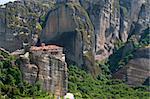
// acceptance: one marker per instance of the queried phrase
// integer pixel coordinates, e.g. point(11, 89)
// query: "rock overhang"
point(69, 25)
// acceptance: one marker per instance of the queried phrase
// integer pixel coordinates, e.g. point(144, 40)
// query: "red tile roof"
point(48, 47)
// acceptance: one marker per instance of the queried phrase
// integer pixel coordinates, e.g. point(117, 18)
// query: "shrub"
point(86, 87)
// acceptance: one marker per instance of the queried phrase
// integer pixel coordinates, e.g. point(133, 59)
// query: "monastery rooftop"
point(43, 47)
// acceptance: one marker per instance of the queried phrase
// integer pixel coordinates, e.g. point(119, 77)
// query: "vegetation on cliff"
point(85, 29)
point(11, 83)
point(83, 86)
point(26, 18)
point(118, 60)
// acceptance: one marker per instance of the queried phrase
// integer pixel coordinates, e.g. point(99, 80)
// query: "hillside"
point(81, 84)
point(105, 46)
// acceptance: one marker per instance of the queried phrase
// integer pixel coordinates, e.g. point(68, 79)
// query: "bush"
point(11, 83)
point(86, 87)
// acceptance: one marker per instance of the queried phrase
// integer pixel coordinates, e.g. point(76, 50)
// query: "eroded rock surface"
point(137, 70)
point(115, 21)
point(87, 29)
point(68, 25)
point(49, 68)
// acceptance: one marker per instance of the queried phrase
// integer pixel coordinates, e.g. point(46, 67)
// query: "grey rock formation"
point(7, 39)
point(50, 70)
point(137, 69)
point(19, 20)
point(116, 21)
point(29, 71)
point(68, 25)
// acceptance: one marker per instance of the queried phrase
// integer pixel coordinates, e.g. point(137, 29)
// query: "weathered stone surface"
point(50, 70)
point(58, 22)
point(137, 70)
point(18, 21)
point(68, 25)
point(116, 21)
point(29, 71)
point(7, 39)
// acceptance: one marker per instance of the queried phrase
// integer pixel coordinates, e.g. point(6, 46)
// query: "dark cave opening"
point(67, 40)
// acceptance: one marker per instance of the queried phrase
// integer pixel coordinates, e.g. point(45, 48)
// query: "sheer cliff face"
point(68, 25)
point(19, 19)
point(50, 71)
point(115, 21)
